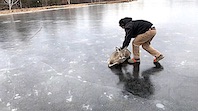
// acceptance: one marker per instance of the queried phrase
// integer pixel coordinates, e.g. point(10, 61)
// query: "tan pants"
point(144, 40)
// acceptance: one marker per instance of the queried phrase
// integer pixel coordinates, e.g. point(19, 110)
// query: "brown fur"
point(118, 56)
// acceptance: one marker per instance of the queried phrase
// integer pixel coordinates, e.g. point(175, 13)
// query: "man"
point(143, 32)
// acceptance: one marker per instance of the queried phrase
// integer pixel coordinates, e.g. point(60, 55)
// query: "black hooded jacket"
point(133, 28)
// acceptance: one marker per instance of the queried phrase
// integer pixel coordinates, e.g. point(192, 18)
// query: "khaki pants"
point(144, 40)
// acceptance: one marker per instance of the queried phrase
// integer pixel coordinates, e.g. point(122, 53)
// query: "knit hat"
point(124, 21)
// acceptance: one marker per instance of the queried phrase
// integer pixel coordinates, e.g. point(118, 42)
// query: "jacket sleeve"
point(128, 36)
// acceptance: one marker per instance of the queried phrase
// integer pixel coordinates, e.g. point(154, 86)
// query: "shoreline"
point(48, 8)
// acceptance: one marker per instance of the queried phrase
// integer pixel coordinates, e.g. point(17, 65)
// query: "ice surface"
point(57, 60)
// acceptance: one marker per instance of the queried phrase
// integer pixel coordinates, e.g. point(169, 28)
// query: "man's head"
point(124, 21)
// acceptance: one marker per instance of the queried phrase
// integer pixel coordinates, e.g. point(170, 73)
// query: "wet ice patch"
point(14, 109)
point(70, 71)
point(79, 57)
point(178, 33)
point(80, 79)
point(62, 59)
point(109, 96)
point(16, 74)
point(60, 74)
point(126, 96)
point(8, 104)
point(49, 93)
point(183, 62)
point(69, 99)
point(161, 106)
point(167, 41)
point(187, 51)
point(86, 107)
point(73, 62)
point(36, 92)
point(50, 70)
point(17, 96)
point(51, 77)
point(29, 94)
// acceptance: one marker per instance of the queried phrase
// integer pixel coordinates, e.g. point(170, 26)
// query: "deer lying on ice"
point(119, 56)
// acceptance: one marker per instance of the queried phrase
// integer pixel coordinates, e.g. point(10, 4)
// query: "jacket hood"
point(124, 21)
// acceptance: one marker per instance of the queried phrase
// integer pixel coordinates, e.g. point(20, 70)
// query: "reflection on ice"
point(135, 83)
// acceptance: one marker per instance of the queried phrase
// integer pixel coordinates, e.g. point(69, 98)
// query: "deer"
point(119, 56)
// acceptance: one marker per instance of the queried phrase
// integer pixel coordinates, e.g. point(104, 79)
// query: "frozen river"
point(57, 60)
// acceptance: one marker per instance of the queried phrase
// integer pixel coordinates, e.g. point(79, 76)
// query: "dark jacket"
point(133, 28)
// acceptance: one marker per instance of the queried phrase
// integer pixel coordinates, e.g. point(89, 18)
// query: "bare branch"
point(6, 1)
point(15, 2)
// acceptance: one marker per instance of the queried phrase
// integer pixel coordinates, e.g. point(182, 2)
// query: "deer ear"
point(117, 49)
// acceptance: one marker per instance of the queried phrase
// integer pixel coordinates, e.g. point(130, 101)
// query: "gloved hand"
point(122, 47)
